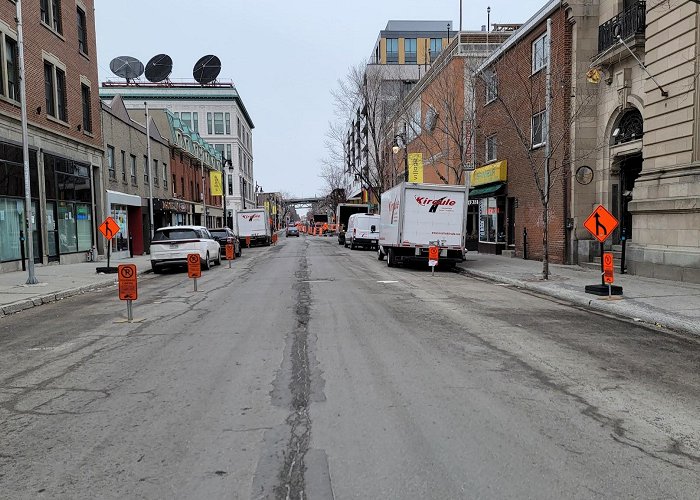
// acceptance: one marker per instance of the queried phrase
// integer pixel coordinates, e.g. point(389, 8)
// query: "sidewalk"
point(669, 304)
point(58, 282)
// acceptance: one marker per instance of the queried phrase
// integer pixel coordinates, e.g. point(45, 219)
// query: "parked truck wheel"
point(390, 258)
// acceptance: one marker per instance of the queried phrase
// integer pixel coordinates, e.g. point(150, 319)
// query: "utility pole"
point(460, 15)
point(31, 278)
point(150, 177)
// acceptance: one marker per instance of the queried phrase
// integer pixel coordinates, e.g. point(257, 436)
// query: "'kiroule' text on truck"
point(414, 216)
point(254, 224)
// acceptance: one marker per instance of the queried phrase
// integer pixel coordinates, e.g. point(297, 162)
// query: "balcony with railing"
point(629, 23)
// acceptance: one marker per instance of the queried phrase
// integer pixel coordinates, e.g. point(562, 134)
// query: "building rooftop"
point(395, 25)
point(173, 90)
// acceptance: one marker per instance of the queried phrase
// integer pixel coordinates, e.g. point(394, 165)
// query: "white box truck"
point(414, 216)
point(253, 223)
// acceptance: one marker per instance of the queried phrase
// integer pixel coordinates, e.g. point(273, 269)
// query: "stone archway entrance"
point(626, 151)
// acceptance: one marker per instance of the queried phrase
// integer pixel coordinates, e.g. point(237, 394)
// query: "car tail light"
point(354, 231)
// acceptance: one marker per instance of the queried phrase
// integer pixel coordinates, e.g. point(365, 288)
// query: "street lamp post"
point(225, 161)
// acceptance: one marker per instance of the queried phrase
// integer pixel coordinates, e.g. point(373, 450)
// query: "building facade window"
point(145, 170)
point(228, 151)
point(55, 89)
point(230, 184)
point(82, 32)
point(238, 125)
point(219, 124)
point(540, 53)
point(392, 50)
point(227, 120)
point(155, 172)
point(123, 166)
point(410, 50)
point(209, 124)
point(87, 107)
point(191, 119)
point(491, 86)
point(9, 71)
point(539, 129)
point(435, 48)
point(491, 153)
point(110, 162)
point(51, 14)
point(133, 169)
point(165, 176)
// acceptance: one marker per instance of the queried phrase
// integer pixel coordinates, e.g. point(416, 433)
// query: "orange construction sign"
point(229, 251)
point(601, 223)
point(128, 289)
point(194, 267)
point(608, 274)
point(433, 253)
point(109, 228)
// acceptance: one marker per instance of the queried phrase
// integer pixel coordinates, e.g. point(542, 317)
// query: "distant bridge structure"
point(303, 201)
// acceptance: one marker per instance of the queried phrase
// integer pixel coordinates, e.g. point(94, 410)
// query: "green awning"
point(482, 191)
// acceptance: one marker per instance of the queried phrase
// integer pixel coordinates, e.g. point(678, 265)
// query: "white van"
point(363, 231)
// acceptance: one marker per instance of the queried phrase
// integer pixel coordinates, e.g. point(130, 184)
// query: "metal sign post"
point(194, 268)
point(601, 223)
point(433, 257)
point(128, 288)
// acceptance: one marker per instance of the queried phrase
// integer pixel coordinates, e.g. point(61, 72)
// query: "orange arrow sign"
point(109, 228)
point(601, 223)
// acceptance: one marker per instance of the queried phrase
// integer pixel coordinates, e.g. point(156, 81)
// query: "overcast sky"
point(284, 56)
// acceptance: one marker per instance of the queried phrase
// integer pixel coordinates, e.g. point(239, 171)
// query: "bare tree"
point(366, 99)
point(439, 117)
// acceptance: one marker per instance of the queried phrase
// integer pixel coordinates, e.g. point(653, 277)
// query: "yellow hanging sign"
point(216, 183)
point(415, 167)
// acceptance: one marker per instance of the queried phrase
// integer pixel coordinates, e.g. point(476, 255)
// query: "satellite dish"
point(127, 67)
point(159, 68)
point(207, 69)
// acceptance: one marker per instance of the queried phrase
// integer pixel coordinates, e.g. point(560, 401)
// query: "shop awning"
point(483, 191)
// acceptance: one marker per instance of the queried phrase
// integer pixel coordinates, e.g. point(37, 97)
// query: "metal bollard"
point(524, 243)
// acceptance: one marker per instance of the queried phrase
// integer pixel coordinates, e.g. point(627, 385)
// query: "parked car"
point(222, 234)
point(363, 231)
point(292, 231)
point(170, 246)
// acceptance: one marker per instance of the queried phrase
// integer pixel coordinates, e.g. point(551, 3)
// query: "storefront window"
point(11, 217)
point(491, 220)
point(67, 236)
point(84, 226)
point(120, 242)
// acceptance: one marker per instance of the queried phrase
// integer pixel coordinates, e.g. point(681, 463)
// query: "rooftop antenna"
point(127, 67)
point(159, 68)
point(206, 69)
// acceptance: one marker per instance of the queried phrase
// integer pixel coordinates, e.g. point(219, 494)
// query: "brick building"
point(65, 137)
point(193, 162)
point(128, 176)
point(511, 139)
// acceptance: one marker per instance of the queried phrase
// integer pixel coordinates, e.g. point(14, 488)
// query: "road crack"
point(299, 421)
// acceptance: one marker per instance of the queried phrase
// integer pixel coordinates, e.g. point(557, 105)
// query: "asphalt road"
point(312, 371)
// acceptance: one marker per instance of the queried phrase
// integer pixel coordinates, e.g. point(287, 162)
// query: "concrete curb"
point(23, 305)
point(620, 309)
